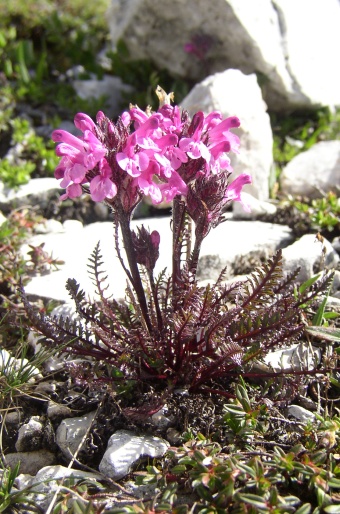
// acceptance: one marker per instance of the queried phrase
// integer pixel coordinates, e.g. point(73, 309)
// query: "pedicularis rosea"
point(169, 330)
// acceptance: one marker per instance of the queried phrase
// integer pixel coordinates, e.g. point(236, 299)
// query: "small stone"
point(125, 449)
point(70, 433)
point(300, 413)
point(57, 410)
point(173, 436)
point(30, 435)
point(30, 462)
point(12, 418)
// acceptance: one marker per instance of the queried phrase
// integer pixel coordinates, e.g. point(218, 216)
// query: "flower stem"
point(178, 218)
point(124, 222)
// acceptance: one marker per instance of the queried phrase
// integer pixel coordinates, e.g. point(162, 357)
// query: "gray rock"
point(300, 413)
point(125, 449)
point(335, 291)
point(70, 433)
point(236, 94)
point(30, 462)
point(313, 172)
point(57, 410)
point(109, 87)
point(12, 418)
point(30, 435)
point(306, 253)
point(260, 38)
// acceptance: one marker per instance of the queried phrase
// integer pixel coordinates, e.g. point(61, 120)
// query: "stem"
point(156, 302)
point(124, 221)
point(178, 217)
point(193, 263)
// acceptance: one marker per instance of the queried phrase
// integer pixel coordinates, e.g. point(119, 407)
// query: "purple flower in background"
point(199, 45)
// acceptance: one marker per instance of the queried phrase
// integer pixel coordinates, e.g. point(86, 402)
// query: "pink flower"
point(101, 186)
point(234, 190)
point(173, 187)
point(131, 160)
point(72, 191)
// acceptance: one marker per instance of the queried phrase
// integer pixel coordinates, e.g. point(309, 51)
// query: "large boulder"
point(236, 94)
point(291, 46)
point(314, 172)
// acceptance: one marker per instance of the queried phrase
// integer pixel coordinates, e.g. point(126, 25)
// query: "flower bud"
point(146, 246)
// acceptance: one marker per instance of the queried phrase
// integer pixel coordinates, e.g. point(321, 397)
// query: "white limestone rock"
point(125, 449)
point(314, 172)
point(299, 22)
point(306, 253)
point(46, 482)
point(257, 208)
point(36, 187)
point(222, 246)
point(236, 94)
point(300, 413)
point(274, 39)
point(70, 433)
point(297, 357)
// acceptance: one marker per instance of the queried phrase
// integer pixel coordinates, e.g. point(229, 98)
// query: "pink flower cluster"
point(163, 153)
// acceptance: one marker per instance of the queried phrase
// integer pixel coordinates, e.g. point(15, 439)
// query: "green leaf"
point(179, 469)
point(332, 509)
point(334, 482)
point(253, 499)
point(304, 509)
point(328, 333)
point(317, 319)
point(308, 283)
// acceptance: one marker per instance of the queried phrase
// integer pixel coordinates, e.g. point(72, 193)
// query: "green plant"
point(13, 233)
point(323, 213)
point(242, 418)
point(12, 499)
point(15, 175)
point(294, 134)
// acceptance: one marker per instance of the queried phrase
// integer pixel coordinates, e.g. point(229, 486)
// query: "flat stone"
point(222, 246)
point(297, 357)
point(46, 482)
